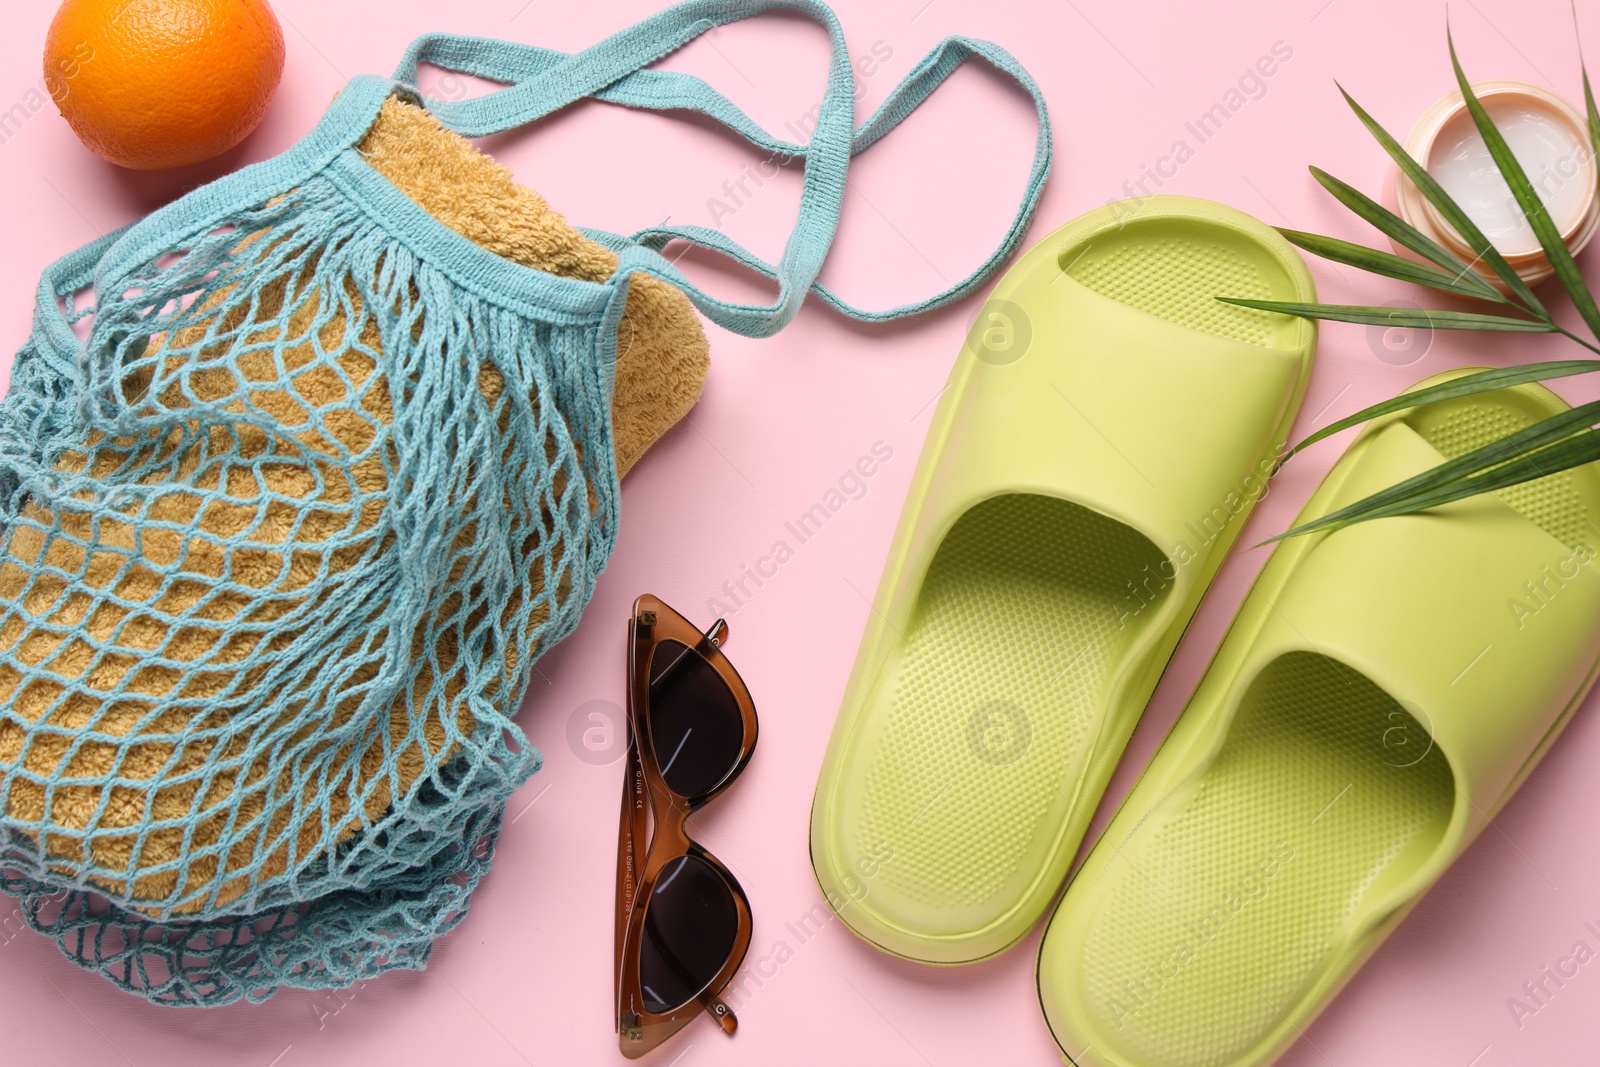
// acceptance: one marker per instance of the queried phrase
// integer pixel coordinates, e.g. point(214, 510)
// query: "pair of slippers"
point(1382, 692)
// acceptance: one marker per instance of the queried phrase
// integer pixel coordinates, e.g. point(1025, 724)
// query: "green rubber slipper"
point(1104, 433)
point(1381, 693)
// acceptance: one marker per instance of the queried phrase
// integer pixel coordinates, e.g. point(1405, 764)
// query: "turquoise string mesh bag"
point(294, 496)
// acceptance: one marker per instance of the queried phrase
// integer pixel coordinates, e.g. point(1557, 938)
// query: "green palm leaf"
point(1483, 381)
point(1461, 469)
point(1533, 208)
point(1558, 443)
point(1594, 117)
point(1452, 212)
point(1573, 451)
point(1398, 229)
point(1371, 315)
point(1464, 283)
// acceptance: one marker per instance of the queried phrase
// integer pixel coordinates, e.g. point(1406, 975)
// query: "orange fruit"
point(150, 84)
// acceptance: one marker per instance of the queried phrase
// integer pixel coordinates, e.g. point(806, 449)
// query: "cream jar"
point(1551, 141)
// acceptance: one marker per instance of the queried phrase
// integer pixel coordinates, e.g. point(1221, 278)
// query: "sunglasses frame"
point(646, 793)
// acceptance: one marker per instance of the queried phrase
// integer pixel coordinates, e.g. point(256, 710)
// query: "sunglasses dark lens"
point(689, 932)
point(695, 724)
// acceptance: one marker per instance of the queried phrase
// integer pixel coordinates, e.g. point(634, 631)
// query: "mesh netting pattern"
point(276, 548)
point(333, 941)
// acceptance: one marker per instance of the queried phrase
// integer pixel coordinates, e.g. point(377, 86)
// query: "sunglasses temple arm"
point(720, 1012)
point(714, 638)
point(718, 634)
point(629, 834)
point(708, 998)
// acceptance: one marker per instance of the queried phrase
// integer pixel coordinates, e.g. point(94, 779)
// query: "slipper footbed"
point(1325, 792)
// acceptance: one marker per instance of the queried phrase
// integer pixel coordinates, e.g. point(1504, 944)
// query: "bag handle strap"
point(73, 271)
point(544, 81)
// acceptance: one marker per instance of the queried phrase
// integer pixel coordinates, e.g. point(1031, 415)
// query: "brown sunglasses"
point(683, 922)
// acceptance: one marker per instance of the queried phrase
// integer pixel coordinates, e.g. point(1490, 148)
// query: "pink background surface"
point(526, 977)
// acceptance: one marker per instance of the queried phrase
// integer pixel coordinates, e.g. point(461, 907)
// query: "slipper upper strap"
point(1482, 625)
point(1166, 429)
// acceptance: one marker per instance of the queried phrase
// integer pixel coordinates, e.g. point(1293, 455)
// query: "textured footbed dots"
point(1457, 426)
point(1229, 900)
point(1178, 272)
point(1229, 907)
point(1029, 603)
point(997, 687)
